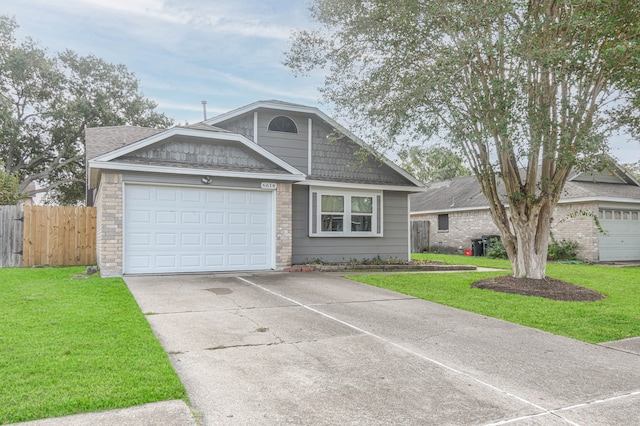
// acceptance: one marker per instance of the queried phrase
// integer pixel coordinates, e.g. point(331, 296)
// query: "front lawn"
point(615, 317)
point(75, 345)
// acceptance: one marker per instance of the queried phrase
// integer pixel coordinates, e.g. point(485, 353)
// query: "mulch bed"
point(549, 288)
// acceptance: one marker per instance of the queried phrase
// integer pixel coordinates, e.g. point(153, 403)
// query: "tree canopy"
point(432, 164)
point(9, 194)
point(526, 90)
point(46, 101)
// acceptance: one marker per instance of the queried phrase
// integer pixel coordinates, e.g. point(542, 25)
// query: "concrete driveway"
point(312, 348)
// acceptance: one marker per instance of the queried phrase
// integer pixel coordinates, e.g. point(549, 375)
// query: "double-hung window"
point(342, 213)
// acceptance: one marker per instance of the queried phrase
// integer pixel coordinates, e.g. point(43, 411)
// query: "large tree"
point(432, 164)
point(47, 100)
point(526, 90)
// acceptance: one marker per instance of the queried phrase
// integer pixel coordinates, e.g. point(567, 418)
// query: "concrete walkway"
point(314, 348)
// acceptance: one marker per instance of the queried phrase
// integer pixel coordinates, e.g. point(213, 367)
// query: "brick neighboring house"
point(458, 212)
point(261, 187)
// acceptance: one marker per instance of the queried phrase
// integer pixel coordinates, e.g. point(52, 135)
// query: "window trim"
point(295, 126)
point(315, 217)
point(446, 217)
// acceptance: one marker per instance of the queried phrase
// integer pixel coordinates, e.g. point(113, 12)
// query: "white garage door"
point(622, 239)
point(183, 229)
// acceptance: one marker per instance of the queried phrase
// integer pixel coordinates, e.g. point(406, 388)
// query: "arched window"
point(283, 124)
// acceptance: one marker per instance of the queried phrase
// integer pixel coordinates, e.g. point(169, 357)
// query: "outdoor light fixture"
point(206, 180)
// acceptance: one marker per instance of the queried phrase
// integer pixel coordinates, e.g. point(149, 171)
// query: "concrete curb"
point(174, 413)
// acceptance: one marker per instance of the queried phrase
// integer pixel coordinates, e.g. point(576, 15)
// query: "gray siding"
point(344, 160)
point(599, 177)
point(291, 147)
point(394, 244)
point(196, 152)
point(242, 125)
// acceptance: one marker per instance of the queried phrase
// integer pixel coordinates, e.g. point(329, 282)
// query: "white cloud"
point(262, 87)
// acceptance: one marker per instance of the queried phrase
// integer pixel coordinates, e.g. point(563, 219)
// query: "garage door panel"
point(214, 218)
point(166, 240)
point(214, 240)
point(237, 218)
point(166, 194)
point(139, 216)
point(238, 198)
point(174, 229)
point(621, 241)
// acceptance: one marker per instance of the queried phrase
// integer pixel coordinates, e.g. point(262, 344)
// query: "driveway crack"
point(252, 345)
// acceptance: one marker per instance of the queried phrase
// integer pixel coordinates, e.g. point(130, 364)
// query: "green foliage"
point(562, 250)
point(558, 250)
point(497, 250)
point(73, 346)
point(613, 318)
point(526, 91)
point(9, 192)
point(432, 164)
point(45, 103)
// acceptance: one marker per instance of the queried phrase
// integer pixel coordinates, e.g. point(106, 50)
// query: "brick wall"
point(578, 228)
point(109, 225)
point(284, 225)
point(463, 226)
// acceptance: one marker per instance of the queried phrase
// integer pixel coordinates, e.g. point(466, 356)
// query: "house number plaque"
point(269, 185)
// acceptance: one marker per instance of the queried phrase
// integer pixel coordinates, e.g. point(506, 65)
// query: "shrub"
point(558, 250)
point(562, 250)
point(497, 250)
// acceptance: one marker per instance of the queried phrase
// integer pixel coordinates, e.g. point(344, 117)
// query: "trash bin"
point(487, 243)
point(476, 246)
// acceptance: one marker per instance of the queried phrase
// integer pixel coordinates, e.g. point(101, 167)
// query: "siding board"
point(336, 249)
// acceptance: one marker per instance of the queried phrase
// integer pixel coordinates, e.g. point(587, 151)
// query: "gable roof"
point(464, 193)
point(101, 140)
point(123, 157)
point(291, 107)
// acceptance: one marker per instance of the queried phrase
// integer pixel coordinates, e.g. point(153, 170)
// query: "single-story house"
point(262, 187)
point(458, 212)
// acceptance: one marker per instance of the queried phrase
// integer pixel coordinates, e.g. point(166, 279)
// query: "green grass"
point(71, 346)
point(615, 317)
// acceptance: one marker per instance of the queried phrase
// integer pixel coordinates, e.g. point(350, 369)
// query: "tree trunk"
point(530, 259)
point(531, 243)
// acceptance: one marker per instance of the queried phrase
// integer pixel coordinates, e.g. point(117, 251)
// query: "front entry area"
point(174, 229)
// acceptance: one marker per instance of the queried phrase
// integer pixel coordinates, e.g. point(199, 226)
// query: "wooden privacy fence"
point(419, 236)
point(10, 236)
point(59, 236)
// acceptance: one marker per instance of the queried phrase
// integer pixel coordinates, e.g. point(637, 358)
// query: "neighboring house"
point(262, 187)
point(457, 212)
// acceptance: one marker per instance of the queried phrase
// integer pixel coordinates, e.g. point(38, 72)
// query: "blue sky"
point(227, 52)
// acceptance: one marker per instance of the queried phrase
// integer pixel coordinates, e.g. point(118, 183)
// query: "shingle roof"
point(207, 127)
point(464, 193)
point(101, 140)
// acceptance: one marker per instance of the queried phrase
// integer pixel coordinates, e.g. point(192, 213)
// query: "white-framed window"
point(344, 213)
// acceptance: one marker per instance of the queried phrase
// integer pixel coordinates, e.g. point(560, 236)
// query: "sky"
point(227, 52)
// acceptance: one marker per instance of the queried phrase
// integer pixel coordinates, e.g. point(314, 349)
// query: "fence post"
point(11, 226)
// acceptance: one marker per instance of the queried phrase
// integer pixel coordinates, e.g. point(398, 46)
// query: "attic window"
point(283, 124)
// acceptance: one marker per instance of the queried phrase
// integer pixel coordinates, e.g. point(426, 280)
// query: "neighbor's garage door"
point(184, 229)
point(622, 239)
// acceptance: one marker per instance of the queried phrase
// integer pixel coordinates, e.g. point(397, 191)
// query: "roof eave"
point(112, 165)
